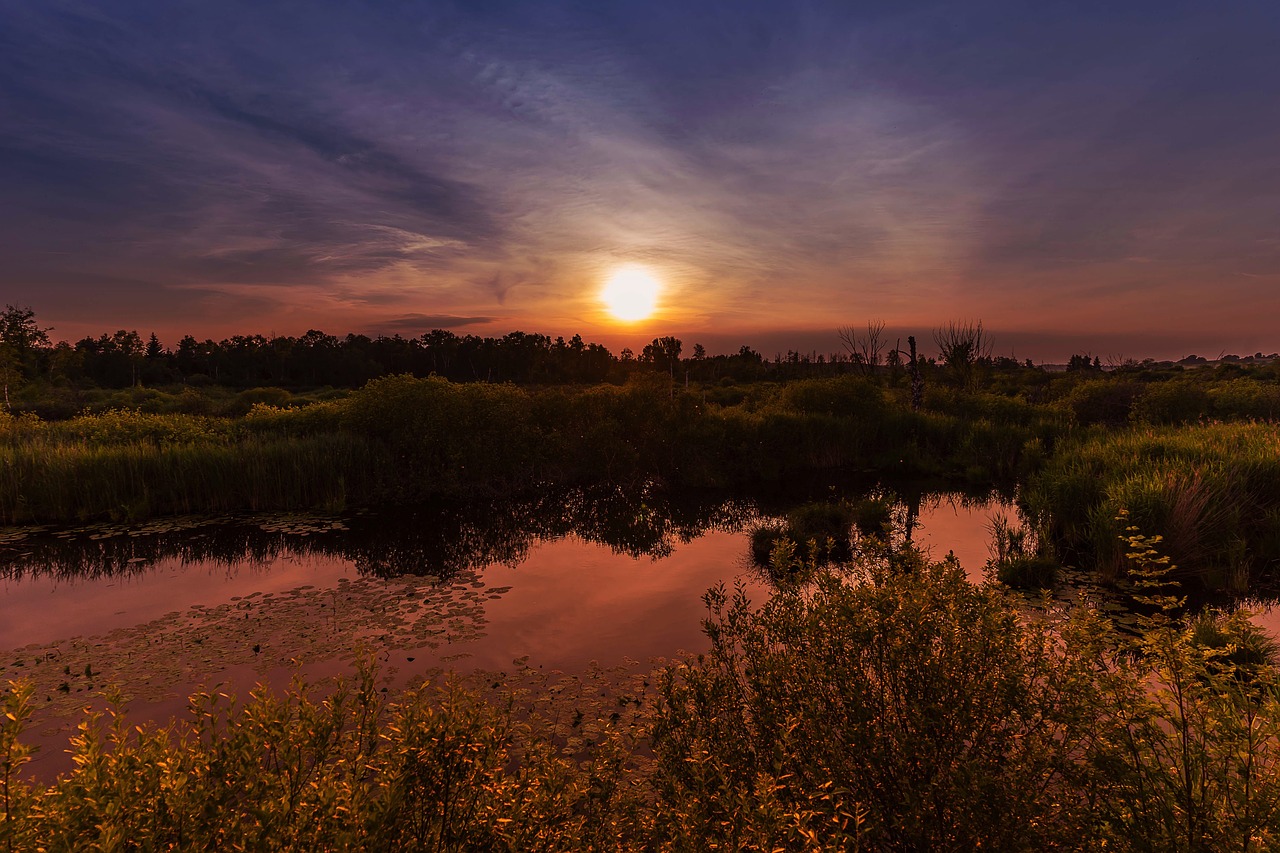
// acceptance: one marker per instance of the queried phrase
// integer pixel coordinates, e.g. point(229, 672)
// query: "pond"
point(567, 582)
point(611, 576)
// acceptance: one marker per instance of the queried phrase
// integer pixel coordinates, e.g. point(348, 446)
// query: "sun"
point(631, 293)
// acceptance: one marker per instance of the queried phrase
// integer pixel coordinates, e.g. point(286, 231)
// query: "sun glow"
point(631, 293)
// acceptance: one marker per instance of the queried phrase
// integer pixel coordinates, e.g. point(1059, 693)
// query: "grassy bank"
point(1211, 491)
point(124, 465)
point(402, 438)
point(893, 706)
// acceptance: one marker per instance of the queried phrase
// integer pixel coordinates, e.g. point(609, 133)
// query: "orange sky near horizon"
point(1079, 179)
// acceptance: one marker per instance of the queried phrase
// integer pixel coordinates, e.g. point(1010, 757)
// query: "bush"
point(1179, 401)
point(438, 769)
point(865, 712)
point(893, 706)
point(1108, 402)
point(847, 396)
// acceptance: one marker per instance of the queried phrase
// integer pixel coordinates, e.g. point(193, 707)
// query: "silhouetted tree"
point(864, 348)
point(961, 346)
point(20, 340)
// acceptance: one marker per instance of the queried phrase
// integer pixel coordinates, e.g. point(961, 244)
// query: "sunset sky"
point(1079, 176)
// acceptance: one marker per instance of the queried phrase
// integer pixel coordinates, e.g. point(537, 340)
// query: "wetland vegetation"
point(1188, 448)
point(877, 700)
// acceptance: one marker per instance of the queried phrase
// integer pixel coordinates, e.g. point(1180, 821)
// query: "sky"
point(1079, 176)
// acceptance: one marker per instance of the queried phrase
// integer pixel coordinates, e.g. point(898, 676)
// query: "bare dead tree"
point(1118, 361)
point(864, 348)
point(961, 346)
point(917, 380)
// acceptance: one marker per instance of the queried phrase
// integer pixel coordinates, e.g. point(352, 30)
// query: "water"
point(580, 588)
point(180, 605)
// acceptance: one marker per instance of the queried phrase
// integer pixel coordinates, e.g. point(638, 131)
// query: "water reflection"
point(564, 578)
point(442, 540)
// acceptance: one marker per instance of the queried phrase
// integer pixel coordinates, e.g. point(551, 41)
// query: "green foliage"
point(1245, 399)
point(341, 769)
point(821, 529)
point(129, 465)
point(903, 709)
point(1028, 572)
point(1190, 760)
point(1018, 559)
point(821, 520)
point(405, 438)
point(847, 396)
point(1108, 402)
point(1179, 401)
point(765, 540)
point(1209, 490)
point(873, 516)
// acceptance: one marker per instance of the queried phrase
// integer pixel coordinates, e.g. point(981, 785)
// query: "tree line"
point(125, 359)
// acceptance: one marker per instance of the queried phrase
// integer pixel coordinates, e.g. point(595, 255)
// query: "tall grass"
point(1212, 491)
point(127, 465)
point(401, 438)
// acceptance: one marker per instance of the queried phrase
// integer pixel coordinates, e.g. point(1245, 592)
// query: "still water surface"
point(175, 606)
point(570, 600)
point(563, 597)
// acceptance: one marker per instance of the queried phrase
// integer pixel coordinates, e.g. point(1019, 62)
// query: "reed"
point(1211, 491)
point(46, 478)
point(401, 438)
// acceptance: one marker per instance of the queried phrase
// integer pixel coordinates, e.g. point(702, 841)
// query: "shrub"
point(864, 711)
point(846, 396)
point(892, 706)
point(342, 769)
point(1178, 401)
point(1103, 401)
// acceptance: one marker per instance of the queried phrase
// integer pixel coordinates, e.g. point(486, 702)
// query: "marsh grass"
point(401, 438)
point(1018, 556)
point(128, 481)
point(873, 516)
point(1212, 491)
point(1244, 646)
point(822, 529)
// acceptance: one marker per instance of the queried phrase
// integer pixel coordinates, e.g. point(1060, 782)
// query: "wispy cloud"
point(419, 323)
point(777, 163)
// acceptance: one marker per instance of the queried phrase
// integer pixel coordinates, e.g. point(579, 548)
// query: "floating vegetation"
point(300, 524)
point(166, 657)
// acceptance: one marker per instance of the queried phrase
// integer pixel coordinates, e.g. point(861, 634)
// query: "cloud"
point(776, 163)
point(427, 322)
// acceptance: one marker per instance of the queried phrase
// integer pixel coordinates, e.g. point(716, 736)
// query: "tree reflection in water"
point(440, 539)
